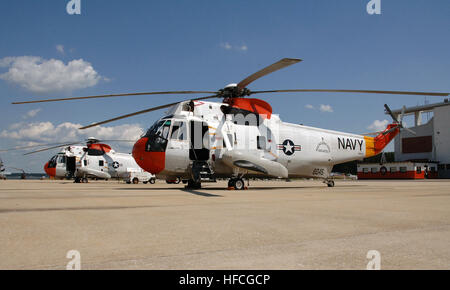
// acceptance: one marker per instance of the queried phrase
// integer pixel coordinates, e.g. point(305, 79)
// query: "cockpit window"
point(52, 162)
point(154, 128)
point(158, 135)
point(164, 130)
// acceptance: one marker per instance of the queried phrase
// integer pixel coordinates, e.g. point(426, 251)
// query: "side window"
point(101, 163)
point(85, 162)
point(183, 131)
point(175, 130)
point(62, 159)
point(179, 131)
point(261, 140)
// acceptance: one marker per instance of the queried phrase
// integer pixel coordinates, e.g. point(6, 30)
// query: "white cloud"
point(326, 108)
point(243, 48)
point(60, 48)
point(378, 125)
point(31, 113)
point(309, 107)
point(39, 75)
point(47, 132)
point(228, 46)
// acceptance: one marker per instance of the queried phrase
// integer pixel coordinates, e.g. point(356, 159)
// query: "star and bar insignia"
point(289, 147)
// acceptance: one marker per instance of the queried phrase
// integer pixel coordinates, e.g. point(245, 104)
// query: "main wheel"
point(152, 181)
point(239, 184)
point(84, 180)
point(135, 180)
point(330, 183)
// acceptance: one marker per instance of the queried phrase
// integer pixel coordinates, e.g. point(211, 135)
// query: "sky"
point(138, 46)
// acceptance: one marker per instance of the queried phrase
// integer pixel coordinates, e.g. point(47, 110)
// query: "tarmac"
point(273, 225)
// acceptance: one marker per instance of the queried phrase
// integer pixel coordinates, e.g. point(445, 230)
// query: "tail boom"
point(374, 145)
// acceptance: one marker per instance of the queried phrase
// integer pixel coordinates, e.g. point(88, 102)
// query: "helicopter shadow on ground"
point(191, 191)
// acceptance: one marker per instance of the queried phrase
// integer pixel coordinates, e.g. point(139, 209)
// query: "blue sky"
point(134, 46)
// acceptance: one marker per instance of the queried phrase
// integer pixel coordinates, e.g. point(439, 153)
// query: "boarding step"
point(203, 172)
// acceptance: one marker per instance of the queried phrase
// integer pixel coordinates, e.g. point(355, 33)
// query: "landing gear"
point(236, 183)
point(135, 180)
point(191, 184)
point(329, 182)
point(152, 181)
point(80, 180)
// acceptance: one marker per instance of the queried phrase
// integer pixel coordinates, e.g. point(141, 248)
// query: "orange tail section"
point(374, 145)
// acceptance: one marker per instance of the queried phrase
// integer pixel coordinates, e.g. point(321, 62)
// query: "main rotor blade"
point(53, 147)
point(353, 91)
point(27, 147)
point(144, 111)
point(267, 70)
point(115, 95)
point(117, 140)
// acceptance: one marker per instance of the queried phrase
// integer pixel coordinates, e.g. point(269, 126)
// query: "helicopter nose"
point(50, 171)
point(153, 162)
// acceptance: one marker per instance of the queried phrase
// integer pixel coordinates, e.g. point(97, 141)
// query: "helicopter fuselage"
point(235, 142)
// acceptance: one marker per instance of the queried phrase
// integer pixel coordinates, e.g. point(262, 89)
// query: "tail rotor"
point(398, 123)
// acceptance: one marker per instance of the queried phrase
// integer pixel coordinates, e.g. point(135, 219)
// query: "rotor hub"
point(233, 91)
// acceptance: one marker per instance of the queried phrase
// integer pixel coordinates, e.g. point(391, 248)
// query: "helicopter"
point(200, 141)
point(2, 169)
point(95, 160)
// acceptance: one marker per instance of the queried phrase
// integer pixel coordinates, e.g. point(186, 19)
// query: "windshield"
point(52, 162)
point(157, 136)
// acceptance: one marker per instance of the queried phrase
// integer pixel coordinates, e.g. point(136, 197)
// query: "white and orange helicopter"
point(2, 169)
point(199, 141)
point(92, 160)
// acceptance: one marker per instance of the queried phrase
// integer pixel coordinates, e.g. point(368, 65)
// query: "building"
point(427, 149)
point(397, 170)
point(432, 139)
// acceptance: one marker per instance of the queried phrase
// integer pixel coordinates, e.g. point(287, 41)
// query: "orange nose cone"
point(50, 171)
point(153, 162)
